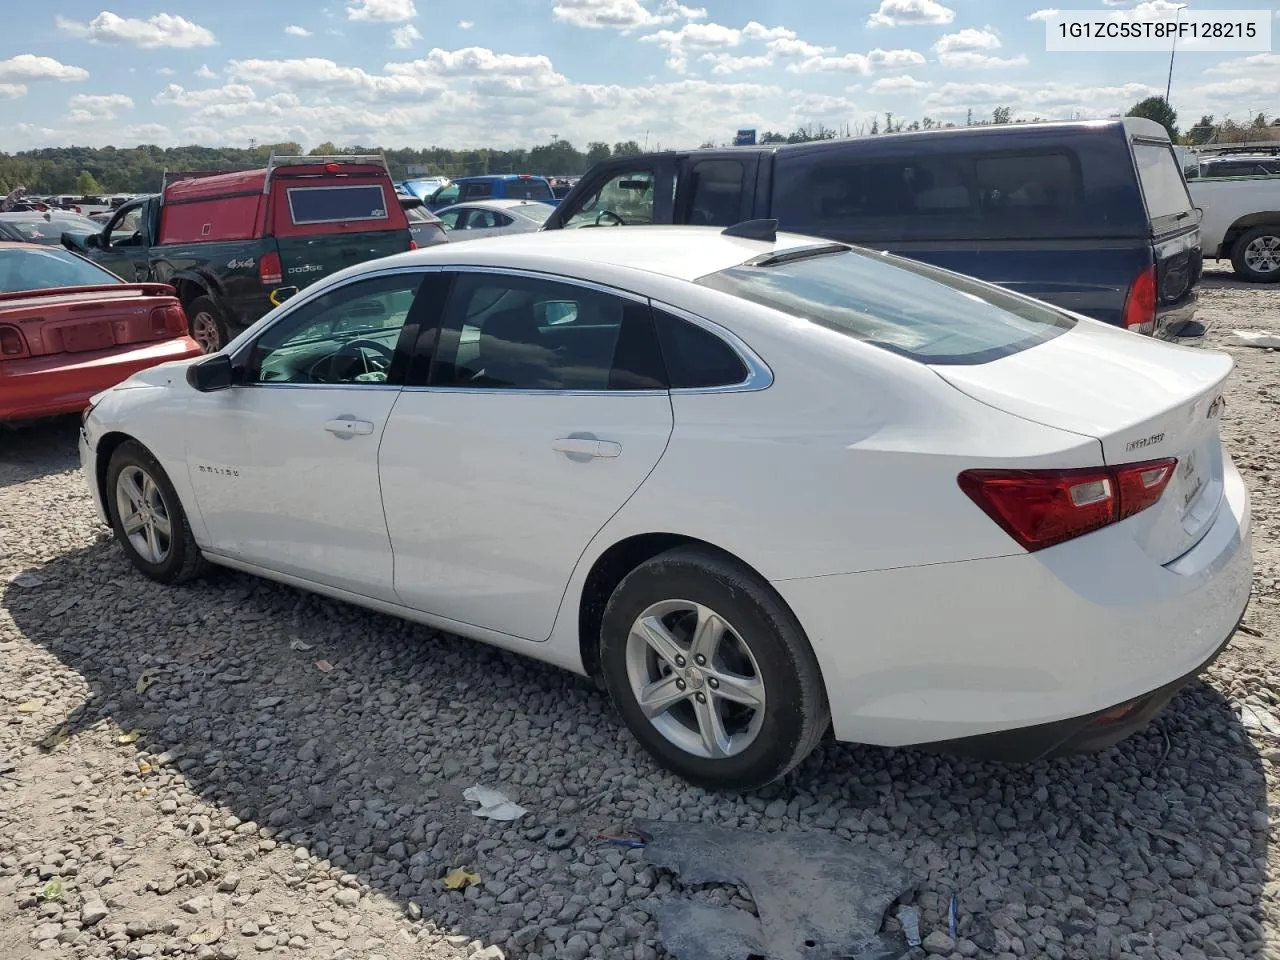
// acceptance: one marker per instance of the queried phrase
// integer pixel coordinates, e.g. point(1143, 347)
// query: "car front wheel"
point(710, 670)
point(148, 518)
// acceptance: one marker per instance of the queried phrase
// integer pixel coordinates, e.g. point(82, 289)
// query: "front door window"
point(624, 199)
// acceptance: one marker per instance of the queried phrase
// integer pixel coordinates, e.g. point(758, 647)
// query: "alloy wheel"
point(204, 331)
point(143, 515)
point(695, 679)
point(1262, 255)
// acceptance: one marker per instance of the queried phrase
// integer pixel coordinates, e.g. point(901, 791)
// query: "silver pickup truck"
point(1240, 222)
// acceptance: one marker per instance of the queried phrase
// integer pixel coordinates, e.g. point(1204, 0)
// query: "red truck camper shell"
point(290, 199)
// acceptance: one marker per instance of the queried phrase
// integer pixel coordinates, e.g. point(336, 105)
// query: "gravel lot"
point(179, 777)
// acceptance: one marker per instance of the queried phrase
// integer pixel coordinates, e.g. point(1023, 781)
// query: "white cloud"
point(787, 48)
point(1048, 13)
point(156, 133)
point(758, 31)
point(387, 11)
point(693, 36)
point(622, 15)
point(166, 71)
point(1055, 100)
point(968, 39)
point(26, 66)
point(466, 24)
point(723, 63)
point(12, 91)
point(969, 60)
point(162, 30)
point(861, 63)
point(402, 38)
point(1232, 90)
point(174, 95)
point(91, 108)
point(293, 30)
point(903, 84)
point(899, 13)
point(1258, 62)
point(204, 73)
point(317, 74)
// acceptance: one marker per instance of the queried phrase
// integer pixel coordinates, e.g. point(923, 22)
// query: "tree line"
point(97, 170)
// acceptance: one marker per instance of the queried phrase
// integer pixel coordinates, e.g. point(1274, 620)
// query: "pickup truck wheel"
point(206, 324)
point(1256, 255)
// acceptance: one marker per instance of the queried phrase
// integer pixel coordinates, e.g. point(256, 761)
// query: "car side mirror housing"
point(77, 242)
point(211, 374)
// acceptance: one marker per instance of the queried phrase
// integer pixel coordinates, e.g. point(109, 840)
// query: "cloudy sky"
point(508, 73)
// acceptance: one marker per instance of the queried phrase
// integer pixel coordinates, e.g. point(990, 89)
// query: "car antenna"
point(766, 230)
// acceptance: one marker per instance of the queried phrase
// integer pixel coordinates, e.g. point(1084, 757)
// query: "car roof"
point(499, 203)
point(684, 253)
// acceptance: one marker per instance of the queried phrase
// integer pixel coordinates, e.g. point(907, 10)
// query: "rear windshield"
point(337, 204)
point(528, 190)
point(37, 229)
point(900, 305)
point(537, 212)
point(44, 268)
point(1162, 182)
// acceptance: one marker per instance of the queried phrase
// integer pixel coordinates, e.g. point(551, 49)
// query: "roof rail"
point(766, 230)
point(275, 161)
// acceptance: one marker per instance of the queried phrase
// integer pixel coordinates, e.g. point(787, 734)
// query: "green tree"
point(627, 148)
point(1001, 115)
point(597, 152)
point(1159, 110)
point(1202, 131)
point(772, 136)
point(86, 184)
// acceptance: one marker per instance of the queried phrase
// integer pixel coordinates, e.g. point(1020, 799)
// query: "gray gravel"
point(178, 777)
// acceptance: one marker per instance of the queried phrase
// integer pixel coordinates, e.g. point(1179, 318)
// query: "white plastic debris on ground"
point(1259, 338)
point(493, 803)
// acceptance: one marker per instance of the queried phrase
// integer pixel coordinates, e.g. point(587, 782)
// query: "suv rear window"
point(528, 190)
point(906, 307)
point(1162, 183)
point(337, 204)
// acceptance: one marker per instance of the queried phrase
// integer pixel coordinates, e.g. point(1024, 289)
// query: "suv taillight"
point(269, 269)
point(1140, 303)
point(1040, 508)
point(12, 345)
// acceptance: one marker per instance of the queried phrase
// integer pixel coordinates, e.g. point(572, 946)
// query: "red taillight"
point(11, 343)
point(168, 320)
point(1040, 508)
point(269, 269)
point(332, 167)
point(1140, 304)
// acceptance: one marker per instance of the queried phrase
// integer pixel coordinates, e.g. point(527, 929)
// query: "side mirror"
point(211, 374)
point(77, 242)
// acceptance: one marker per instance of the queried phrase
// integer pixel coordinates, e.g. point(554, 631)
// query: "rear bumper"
point(63, 383)
point(954, 651)
point(1172, 319)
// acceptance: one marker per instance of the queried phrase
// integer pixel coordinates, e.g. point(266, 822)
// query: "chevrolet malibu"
point(762, 486)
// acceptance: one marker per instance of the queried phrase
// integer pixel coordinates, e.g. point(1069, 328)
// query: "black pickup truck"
point(235, 244)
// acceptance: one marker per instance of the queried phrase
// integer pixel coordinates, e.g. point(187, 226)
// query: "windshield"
point(36, 229)
point(41, 268)
point(528, 190)
point(1161, 178)
point(900, 305)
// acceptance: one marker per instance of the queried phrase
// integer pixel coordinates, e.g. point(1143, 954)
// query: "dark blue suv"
point(1093, 216)
point(509, 186)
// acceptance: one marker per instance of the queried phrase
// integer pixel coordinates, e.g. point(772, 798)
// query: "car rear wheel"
point(148, 518)
point(710, 670)
point(207, 327)
point(1256, 255)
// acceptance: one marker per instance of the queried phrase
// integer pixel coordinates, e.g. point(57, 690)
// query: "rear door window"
point(337, 204)
point(1030, 186)
point(1163, 186)
point(530, 189)
point(713, 193)
point(476, 191)
point(624, 199)
point(696, 358)
point(903, 306)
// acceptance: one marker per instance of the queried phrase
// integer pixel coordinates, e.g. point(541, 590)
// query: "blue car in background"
point(422, 187)
point(510, 186)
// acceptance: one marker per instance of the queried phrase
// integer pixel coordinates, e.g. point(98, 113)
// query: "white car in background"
point(493, 218)
point(763, 485)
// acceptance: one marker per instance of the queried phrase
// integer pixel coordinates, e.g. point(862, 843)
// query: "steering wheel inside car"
point(359, 363)
point(617, 220)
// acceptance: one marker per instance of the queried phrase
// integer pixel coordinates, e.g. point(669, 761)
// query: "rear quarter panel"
point(228, 270)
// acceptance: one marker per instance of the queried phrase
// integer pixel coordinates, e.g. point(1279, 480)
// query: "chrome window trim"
point(759, 375)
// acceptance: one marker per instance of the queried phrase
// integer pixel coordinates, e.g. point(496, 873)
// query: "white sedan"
point(763, 486)
point(477, 219)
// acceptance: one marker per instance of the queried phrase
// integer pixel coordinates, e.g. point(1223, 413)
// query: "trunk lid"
point(88, 319)
point(1141, 399)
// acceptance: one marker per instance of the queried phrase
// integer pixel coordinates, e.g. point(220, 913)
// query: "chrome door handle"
point(586, 448)
point(349, 427)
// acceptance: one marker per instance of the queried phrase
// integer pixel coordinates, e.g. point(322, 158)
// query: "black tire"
point(796, 714)
point(206, 324)
point(1238, 250)
point(183, 560)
